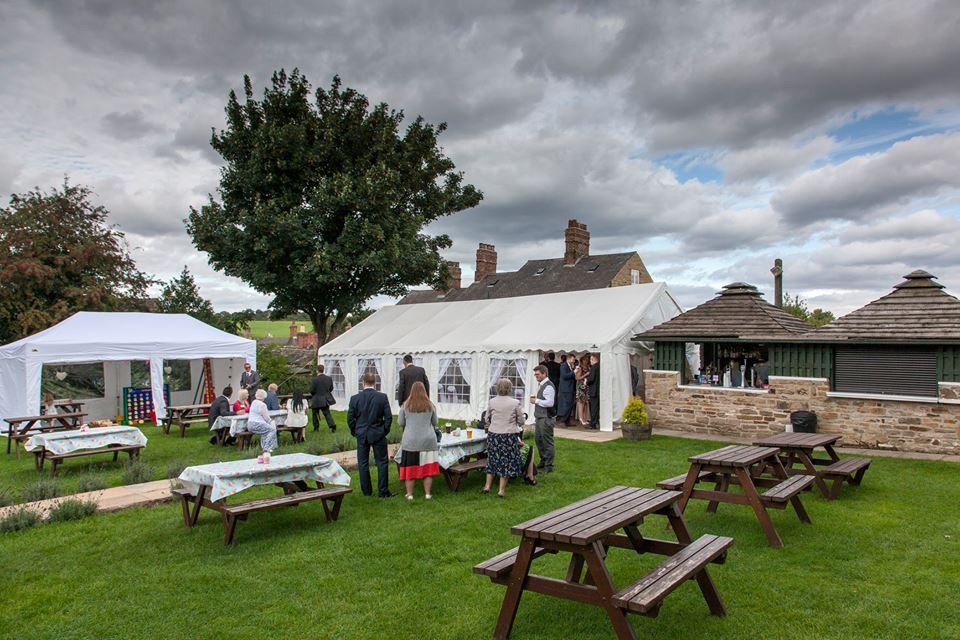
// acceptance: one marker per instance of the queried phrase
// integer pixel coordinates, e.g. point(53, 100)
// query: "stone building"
point(886, 375)
point(577, 270)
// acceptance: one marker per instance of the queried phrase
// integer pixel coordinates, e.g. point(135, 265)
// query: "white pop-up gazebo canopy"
point(465, 346)
point(114, 338)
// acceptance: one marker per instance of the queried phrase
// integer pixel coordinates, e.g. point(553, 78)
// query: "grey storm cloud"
point(130, 125)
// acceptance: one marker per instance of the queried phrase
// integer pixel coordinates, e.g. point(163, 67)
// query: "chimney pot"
point(486, 261)
point(293, 328)
point(577, 242)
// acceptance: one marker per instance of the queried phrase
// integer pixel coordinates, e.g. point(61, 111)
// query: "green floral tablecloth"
point(229, 478)
point(238, 424)
point(452, 447)
point(95, 438)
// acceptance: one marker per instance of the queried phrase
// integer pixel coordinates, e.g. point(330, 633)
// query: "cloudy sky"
point(711, 137)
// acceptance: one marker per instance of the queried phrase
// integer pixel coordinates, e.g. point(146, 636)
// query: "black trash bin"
point(804, 421)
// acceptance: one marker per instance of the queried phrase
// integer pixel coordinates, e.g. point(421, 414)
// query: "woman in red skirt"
point(419, 455)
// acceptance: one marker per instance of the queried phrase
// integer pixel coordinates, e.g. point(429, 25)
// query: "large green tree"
point(58, 255)
point(324, 200)
point(797, 306)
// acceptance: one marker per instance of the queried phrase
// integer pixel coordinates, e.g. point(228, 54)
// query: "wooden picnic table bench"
point(745, 466)
point(586, 530)
point(19, 429)
point(798, 449)
point(184, 415)
point(42, 455)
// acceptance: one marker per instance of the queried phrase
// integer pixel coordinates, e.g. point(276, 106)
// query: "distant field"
point(277, 328)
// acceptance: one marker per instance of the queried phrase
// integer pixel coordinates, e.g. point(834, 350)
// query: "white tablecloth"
point(228, 478)
point(452, 447)
point(66, 441)
point(238, 424)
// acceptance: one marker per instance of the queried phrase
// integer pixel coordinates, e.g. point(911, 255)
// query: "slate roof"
point(738, 312)
point(917, 310)
point(534, 278)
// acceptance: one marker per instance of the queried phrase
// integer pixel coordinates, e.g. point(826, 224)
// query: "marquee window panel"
point(514, 370)
point(368, 365)
point(398, 364)
point(336, 369)
point(453, 386)
point(75, 381)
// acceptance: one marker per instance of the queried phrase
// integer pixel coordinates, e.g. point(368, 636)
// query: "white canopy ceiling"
point(110, 336)
point(598, 319)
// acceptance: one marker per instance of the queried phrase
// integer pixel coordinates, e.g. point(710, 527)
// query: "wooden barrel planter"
point(636, 431)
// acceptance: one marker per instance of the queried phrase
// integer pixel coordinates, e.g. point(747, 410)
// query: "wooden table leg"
point(746, 482)
point(812, 470)
point(575, 568)
point(511, 600)
point(688, 485)
point(198, 502)
point(606, 590)
point(723, 484)
point(707, 588)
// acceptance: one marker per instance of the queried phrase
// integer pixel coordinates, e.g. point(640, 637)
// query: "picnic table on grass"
point(798, 449)
point(67, 405)
point(184, 415)
point(586, 530)
point(744, 466)
point(23, 427)
point(210, 485)
point(236, 426)
point(58, 446)
point(459, 455)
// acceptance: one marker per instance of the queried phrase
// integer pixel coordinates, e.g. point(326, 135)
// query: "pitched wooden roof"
point(536, 277)
point(918, 309)
point(739, 311)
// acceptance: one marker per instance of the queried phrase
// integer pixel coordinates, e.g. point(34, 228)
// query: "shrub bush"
point(635, 412)
point(175, 468)
point(72, 509)
point(41, 489)
point(136, 472)
point(7, 497)
point(90, 482)
point(342, 444)
point(18, 520)
point(315, 448)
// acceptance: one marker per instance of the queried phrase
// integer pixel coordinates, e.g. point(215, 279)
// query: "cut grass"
point(276, 328)
point(880, 562)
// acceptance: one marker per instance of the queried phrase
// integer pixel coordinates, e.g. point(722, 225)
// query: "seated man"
point(272, 401)
point(220, 407)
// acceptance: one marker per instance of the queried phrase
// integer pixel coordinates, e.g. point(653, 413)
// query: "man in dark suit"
point(219, 407)
point(321, 397)
point(250, 380)
point(369, 419)
point(408, 375)
point(593, 391)
point(553, 369)
point(566, 392)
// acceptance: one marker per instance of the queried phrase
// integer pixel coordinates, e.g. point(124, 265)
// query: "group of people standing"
point(577, 381)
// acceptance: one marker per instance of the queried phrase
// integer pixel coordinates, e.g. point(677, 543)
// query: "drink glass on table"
point(447, 427)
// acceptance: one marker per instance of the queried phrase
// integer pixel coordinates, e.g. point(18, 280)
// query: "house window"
point(902, 371)
point(79, 381)
point(514, 370)
point(453, 386)
point(368, 365)
point(417, 361)
point(335, 369)
point(634, 276)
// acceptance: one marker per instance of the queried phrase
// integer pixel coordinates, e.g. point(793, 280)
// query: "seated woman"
point(242, 405)
point(260, 423)
point(47, 407)
point(419, 457)
point(504, 422)
point(296, 411)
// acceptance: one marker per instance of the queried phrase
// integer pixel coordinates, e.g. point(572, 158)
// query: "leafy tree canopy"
point(58, 256)
point(181, 295)
point(797, 306)
point(323, 201)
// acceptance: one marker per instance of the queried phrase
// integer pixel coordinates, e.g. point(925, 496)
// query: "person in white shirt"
point(297, 411)
point(544, 412)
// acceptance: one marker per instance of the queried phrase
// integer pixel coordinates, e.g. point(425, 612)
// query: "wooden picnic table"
point(798, 449)
point(745, 466)
point(69, 406)
point(210, 485)
point(183, 415)
point(19, 429)
point(64, 445)
point(586, 530)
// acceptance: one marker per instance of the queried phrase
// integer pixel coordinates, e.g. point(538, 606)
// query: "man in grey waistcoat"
point(544, 413)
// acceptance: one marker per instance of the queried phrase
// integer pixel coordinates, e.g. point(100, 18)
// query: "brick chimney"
point(294, 328)
point(486, 261)
point(453, 280)
point(578, 242)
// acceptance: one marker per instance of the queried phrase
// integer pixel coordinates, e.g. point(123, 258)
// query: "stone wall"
point(930, 427)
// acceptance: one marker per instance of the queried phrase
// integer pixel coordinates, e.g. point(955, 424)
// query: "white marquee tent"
point(116, 339)
point(465, 346)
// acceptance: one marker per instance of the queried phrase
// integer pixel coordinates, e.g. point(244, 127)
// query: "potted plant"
point(635, 424)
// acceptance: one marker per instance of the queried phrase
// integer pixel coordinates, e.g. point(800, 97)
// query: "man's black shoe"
point(388, 494)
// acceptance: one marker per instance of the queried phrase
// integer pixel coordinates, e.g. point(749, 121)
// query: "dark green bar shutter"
point(949, 364)
point(801, 360)
point(669, 356)
point(905, 371)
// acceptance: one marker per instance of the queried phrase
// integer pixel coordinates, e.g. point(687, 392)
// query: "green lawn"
point(881, 562)
point(278, 328)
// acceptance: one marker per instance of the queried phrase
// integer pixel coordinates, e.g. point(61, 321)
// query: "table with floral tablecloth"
point(238, 423)
point(454, 447)
point(228, 478)
point(59, 442)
